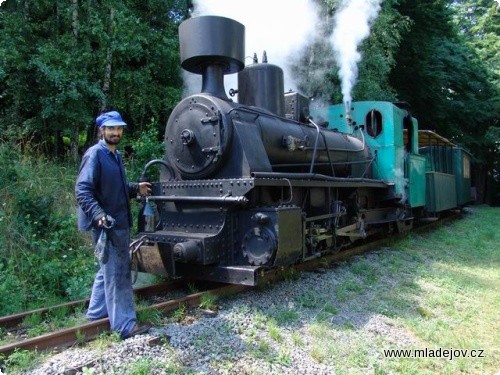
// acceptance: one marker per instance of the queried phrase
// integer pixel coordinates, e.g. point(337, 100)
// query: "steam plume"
point(352, 26)
point(278, 27)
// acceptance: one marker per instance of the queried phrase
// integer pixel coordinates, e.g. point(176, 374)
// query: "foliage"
point(43, 258)
point(208, 301)
point(479, 23)
point(446, 80)
point(142, 149)
point(62, 63)
point(379, 52)
point(179, 314)
point(22, 360)
point(440, 76)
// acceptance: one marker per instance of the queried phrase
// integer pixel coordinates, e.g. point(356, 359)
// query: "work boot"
point(138, 330)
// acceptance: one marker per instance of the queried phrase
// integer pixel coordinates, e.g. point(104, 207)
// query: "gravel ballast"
point(309, 325)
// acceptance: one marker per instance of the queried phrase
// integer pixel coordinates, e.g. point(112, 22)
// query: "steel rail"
point(13, 320)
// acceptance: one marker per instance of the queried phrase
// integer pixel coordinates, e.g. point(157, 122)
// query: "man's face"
point(112, 134)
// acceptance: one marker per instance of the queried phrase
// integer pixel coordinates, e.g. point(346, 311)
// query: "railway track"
point(90, 330)
point(11, 321)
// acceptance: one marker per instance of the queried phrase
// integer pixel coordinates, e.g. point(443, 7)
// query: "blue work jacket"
point(102, 188)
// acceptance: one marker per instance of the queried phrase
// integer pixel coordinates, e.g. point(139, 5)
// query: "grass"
point(285, 316)
point(274, 331)
point(428, 291)
point(208, 301)
point(442, 288)
point(21, 360)
point(179, 314)
point(148, 366)
point(153, 317)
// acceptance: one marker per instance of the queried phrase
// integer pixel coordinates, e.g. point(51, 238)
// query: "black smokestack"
point(212, 46)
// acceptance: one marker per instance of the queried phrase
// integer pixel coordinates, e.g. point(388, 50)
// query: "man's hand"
point(102, 222)
point(106, 222)
point(144, 188)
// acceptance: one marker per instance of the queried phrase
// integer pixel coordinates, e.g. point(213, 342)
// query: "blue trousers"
point(112, 293)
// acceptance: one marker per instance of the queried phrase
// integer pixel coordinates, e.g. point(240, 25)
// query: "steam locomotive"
point(259, 184)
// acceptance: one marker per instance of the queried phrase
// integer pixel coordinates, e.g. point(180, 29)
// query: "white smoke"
point(280, 28)
point(352, 25)
point(283, 28)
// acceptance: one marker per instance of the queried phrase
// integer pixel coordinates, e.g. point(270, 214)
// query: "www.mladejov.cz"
point(434, 353)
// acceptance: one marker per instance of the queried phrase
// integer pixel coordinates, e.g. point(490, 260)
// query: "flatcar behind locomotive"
point(258, 184)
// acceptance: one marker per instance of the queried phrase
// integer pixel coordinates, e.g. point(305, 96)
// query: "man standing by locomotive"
point(103, 195)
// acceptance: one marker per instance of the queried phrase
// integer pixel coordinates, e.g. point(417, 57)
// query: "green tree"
point(448, 83)
point(379, 55)
point(479, 23)
point(415, 77)
point(63, 62)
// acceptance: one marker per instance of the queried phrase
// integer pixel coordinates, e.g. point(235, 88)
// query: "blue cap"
point(112, 118)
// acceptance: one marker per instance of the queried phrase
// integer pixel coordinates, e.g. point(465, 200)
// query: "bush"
point(43, 257)
point(146, 147)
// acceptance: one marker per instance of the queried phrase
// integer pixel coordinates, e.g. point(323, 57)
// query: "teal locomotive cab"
point(392, 136)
